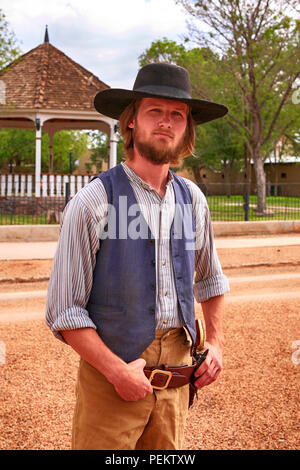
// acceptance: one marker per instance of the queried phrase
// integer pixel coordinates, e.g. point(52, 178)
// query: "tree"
point(100, 150)
point(256, 45)
point(163, 50)
point(219, 149)
point(18, 147)
point(64, 142)
point(9, 50)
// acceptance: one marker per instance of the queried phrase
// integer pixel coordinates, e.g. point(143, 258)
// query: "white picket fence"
point(51, 185)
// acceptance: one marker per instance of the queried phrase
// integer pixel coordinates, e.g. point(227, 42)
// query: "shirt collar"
point(132, 176)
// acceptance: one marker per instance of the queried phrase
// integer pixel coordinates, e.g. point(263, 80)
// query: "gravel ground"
point(253, 405)
point(255, 402)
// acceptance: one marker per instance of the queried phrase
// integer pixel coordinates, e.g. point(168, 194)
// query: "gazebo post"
point(113, 141)
point(38, 155)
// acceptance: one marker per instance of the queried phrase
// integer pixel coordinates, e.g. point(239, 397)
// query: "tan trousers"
point(104, 421)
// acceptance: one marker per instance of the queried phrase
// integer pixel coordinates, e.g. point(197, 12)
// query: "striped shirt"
point(83, 221)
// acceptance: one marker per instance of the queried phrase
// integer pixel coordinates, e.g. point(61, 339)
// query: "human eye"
point(154, 110)
point(178, 114)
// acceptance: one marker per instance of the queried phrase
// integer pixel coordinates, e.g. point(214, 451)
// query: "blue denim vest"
point(123, 295)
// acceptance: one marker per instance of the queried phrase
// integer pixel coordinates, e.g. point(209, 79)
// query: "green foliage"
point(64, 142)
point(100, 151)
point(18, 146)
point(9, 50)
point(257, 56)
point(99, 154)
point(163, 51)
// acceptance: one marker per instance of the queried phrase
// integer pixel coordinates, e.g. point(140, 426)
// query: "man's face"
point(159, 129)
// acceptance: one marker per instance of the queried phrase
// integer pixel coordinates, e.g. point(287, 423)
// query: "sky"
point(104, 36)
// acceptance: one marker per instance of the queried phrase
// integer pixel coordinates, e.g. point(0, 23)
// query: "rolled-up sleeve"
point(209, 279)
point(72, 270)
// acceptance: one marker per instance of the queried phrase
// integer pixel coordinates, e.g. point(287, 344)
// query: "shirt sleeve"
point(74, 261)
point(209, 279)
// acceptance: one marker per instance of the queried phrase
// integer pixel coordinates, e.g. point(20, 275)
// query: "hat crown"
point(163, 76)
point(162, 81)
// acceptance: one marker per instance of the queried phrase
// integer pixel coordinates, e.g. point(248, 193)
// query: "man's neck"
point(155, 175)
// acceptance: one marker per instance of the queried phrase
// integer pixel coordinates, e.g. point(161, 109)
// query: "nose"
point(165, 119)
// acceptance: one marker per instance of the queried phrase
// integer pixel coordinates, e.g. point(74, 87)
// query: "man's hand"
point(132, 384)
point(210, 368)
point(128, 380)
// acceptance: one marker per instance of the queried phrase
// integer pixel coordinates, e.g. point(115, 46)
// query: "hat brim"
point(113, 101)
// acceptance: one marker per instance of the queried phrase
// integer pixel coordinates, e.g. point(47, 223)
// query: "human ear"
point(131, 125)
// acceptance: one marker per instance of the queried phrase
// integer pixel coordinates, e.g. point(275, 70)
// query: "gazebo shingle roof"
point(45, 78)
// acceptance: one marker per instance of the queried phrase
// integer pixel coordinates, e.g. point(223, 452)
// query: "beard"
point(156, 152)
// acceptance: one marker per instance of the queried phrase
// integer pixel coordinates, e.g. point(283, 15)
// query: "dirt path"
point(27, 301)
point(267, 271)
point(253, 405)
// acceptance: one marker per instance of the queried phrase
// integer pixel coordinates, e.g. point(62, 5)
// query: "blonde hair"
point(129, 114)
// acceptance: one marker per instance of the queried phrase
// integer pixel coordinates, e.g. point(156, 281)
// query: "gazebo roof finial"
point(46, 38)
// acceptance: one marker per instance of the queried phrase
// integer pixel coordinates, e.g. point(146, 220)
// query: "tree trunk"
point(260, 183)
point(196, 172)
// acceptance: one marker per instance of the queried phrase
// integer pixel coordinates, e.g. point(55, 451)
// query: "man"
point(121, 287)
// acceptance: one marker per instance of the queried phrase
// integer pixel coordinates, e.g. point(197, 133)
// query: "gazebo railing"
point(19, 204)
point(22, 185)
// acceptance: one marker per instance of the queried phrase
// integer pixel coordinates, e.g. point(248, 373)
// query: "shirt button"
point(164, 263)
point(165, 322)
point(165, 293)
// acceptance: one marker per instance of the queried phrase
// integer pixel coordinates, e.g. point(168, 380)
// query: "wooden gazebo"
point(46, 90)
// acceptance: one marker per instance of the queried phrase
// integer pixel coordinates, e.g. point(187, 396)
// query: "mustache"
point(160, 131)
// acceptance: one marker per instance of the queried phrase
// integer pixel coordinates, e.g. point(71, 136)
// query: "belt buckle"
point(164, 372)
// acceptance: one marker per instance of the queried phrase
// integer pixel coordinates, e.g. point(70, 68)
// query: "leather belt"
point(164, 376)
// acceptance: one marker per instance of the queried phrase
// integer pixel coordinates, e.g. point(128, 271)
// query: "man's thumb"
point(138, 364)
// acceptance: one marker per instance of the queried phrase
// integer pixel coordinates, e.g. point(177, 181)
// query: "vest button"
point(152, 310)
point(151, 241)
point(153, 262)
point(152, 286)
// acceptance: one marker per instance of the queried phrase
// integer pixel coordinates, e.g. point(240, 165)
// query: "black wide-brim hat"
point(159, 80)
